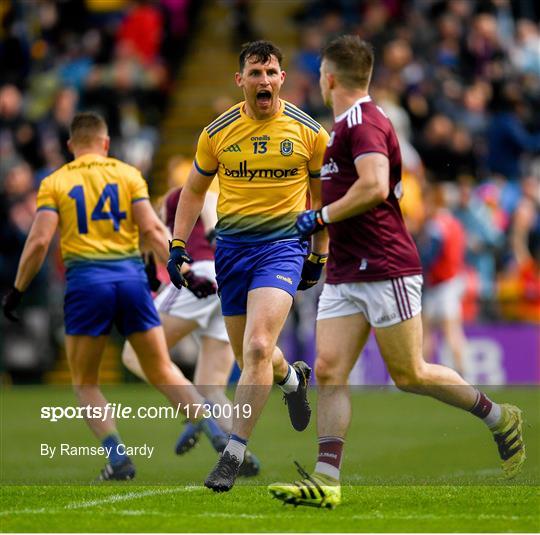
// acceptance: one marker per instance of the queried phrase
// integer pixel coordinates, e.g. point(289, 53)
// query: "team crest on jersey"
point(286, 147)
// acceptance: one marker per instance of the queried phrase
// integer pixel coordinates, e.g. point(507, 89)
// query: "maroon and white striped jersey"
point(376, 244)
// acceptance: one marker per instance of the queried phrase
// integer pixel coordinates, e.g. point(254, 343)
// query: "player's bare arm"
point(32, 258)
point(319, 241)
point(209, 212)
point(35, 248)
point(371, 188)
point(316, 260)
point(190, 204)
point(154, 233)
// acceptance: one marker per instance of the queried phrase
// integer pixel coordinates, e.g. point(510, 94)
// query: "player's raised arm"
point(371, 189)
point(33, 255)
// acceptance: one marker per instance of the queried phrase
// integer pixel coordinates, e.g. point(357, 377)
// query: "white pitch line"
point(231, 515)
point(113, 498)
point(126, 496)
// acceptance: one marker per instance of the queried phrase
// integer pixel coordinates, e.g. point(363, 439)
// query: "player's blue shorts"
point(102, 294)
point(241, 269)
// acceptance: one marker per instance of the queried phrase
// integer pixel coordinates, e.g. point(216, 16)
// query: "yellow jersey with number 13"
point(263, 169)
point(93, 196)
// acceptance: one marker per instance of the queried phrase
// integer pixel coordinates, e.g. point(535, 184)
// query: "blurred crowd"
point(460, 80)
point(116, 57)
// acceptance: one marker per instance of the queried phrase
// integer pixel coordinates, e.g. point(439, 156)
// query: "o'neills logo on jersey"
point(250, 174)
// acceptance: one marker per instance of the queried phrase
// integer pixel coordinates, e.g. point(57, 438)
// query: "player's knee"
point(160, 374)
point(259, 348)
point(409, 379)
point(84, 378)
point(326, 371)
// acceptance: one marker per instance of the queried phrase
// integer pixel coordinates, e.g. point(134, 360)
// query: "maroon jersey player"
point(373, 279)
point(383, 249)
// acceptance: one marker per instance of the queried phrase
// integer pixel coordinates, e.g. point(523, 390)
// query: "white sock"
point(493, 418)
point(236, 448)
point(290, 383)
point(327, 470)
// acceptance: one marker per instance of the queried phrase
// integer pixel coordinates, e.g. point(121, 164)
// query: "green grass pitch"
point(411, 465)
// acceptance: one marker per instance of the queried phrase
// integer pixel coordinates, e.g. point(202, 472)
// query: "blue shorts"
point(96, 300)
point(266, 265)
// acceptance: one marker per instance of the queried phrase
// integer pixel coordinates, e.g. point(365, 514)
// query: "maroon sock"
point(330, 450)
point(482, 406)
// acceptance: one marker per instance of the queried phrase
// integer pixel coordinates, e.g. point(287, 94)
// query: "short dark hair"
point(260, 51)
point(353, 60)
point(86, 126)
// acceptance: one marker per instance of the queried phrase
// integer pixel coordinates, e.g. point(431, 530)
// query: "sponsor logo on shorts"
point(387, 317)
point(363, 265)
point(283, 278)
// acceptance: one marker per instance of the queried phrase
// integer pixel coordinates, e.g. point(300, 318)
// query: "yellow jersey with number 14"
point(263, 168)
point(93, 196)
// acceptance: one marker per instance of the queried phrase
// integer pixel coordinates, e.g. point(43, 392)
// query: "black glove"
point(151, 271)
point(312, 270)
point(10, 302)
point(178, 255)
point(200, 287)
point(211, 237)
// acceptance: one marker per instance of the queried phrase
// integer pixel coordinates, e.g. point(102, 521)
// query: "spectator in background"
point(242, 24)
point(142, 30)
point(14, 51)
point(441, 245)
point(308, 59)
point(483, 236)
point(519, 286)
point(508, 139)
point(435, 149)
point(525, 53)
point(54, 128)
point(20, 132)
point(525, 226)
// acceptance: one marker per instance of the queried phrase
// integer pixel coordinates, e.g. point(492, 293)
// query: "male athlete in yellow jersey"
point(266, 153)
point(101, 204)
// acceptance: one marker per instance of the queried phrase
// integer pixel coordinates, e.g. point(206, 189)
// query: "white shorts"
point(443, 301)
point(383, 303)
point(183, 304)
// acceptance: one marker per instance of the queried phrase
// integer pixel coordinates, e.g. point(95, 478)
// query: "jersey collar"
point(275, 116)
point(341, 116)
